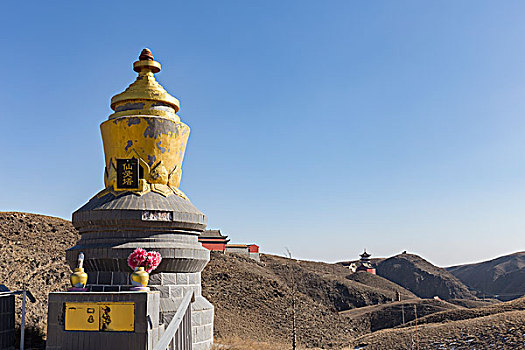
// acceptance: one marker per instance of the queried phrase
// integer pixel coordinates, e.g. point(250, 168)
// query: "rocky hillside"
point(496, 328)
point(380, 282)
point(334, 285)
point(253, 300)
point(422, 278)
point(32, 255)
point(503, 276)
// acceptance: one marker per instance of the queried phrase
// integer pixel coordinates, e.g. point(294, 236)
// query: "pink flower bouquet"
point(141, 258)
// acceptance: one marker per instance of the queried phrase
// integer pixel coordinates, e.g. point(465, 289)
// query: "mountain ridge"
point(502, 277)
point(422, 278)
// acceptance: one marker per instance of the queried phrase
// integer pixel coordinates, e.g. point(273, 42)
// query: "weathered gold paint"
point(145, 88)
point(145, 126)
point(100, 316)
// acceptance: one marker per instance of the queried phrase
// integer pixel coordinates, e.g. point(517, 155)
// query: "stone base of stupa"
point(111, 227)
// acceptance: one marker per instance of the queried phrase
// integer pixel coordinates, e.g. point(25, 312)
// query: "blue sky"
point(324, 127)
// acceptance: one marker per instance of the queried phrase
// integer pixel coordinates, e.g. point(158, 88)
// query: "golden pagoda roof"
point(145, 89)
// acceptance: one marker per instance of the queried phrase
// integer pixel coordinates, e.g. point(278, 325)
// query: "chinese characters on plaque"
point(127, 174)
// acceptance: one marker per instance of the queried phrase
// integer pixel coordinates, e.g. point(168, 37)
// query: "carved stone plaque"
point(156, 215)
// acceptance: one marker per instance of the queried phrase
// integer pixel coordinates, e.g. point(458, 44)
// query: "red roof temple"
point(213, 240)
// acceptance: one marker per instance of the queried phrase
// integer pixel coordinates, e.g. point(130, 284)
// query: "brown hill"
point(503, 277)
point(333, 285)
point(32, 254)
point(500, 331)
point(253, 300)
point(253, 303)
point(381, 283)
point(397, 313)
point(422, 278)
point(462, 314)
point(469, 303)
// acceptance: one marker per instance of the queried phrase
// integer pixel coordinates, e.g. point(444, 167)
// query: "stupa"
point(142, 205)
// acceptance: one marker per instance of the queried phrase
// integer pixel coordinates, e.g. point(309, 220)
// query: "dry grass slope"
point(462, 314)
point(501, 331)
point(390, 315)
point(254, 304)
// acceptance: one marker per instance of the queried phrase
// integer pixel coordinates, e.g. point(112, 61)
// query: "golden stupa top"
point(145, 96)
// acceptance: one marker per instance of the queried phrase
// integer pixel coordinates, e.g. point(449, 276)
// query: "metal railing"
point(178, 334)
point(24, 293)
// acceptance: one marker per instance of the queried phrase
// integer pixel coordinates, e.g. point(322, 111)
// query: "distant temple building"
point(365, 264)
point(215, 241)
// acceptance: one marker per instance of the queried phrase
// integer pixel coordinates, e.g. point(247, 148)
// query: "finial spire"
point(146, 63)
point(145, 96)
point(146, 55)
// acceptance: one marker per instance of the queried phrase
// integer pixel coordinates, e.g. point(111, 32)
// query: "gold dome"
point(145, 96)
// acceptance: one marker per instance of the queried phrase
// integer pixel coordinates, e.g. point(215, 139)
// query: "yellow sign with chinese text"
point(101, 316)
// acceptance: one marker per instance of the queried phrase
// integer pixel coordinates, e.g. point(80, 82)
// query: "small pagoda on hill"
point(365, 264)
